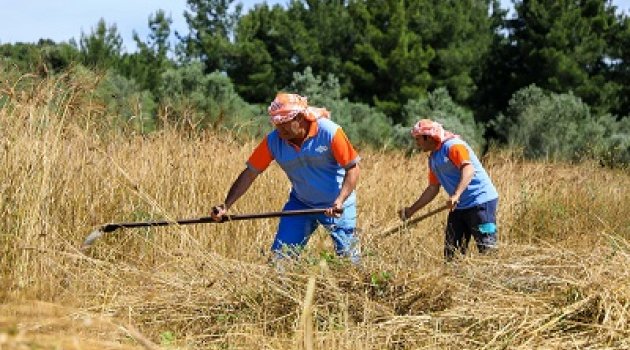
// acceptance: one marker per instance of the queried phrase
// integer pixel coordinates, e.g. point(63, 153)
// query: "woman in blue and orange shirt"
point(472, 196)
point(322, 167)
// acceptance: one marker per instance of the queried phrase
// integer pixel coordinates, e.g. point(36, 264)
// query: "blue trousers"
point(295, 231)
point(479, 222)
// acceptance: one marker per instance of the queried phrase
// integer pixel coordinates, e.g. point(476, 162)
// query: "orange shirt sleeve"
point(261, 157)
point(458, 154)
point(342, 150)
point(433, 180)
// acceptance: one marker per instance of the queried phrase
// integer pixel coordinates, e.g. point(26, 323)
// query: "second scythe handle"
point(414, 220)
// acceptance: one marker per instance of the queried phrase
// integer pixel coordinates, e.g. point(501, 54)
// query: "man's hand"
point(218, 212)
point(452, 202)
point(335, 210)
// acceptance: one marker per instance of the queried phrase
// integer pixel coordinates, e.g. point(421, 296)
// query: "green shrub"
point(202, 100)
point(615, 150)
point(125, 99)
point(558, 126)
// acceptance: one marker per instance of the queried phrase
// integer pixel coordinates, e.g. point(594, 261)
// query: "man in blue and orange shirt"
point(472, 196)
point(322, 167)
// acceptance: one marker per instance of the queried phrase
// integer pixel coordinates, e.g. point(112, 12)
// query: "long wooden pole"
point(94, 235)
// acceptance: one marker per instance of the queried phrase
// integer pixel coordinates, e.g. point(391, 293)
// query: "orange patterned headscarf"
point(427, 127)
point(285, 107)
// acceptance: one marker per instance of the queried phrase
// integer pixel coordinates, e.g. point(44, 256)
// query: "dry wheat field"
point(559, 281)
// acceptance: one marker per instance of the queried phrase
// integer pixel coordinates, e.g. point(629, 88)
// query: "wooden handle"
point(413, 221)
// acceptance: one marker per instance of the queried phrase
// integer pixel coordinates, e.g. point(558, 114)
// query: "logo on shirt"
point(321, 149)
point(446, 159)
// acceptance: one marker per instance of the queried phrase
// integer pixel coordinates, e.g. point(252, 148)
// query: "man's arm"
point(238, 188)
point(467, 171)
point(425, 198)
point(348, 185)
point(347, 157)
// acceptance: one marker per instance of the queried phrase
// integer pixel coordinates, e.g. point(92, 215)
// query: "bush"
point(201, 100)
point(125, 99)
point(555, 126)
point(615, 151)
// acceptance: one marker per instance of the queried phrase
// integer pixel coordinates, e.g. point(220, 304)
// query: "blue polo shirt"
point(445, 164)
point(317, 168)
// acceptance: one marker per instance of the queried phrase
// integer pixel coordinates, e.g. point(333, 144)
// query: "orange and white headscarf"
point(285, 107)
point(427, 127)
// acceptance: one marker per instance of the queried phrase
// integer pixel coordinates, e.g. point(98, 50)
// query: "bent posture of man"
point(472, 196)
point(322, 167)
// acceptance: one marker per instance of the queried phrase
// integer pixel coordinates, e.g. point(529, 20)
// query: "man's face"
point(291, 129)
point(425, 143)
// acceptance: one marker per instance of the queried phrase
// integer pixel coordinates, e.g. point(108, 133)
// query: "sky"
point(61, 20)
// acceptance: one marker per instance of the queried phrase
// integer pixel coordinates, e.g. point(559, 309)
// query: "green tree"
point(390, 62)
point(147, 65)
point(272, 43)
point(619, 62)
point(211, 24)
point(461, 33)
point(102, 47)
point(495, 83)
point(255, 65)
point(563, 46)
point(331, 35)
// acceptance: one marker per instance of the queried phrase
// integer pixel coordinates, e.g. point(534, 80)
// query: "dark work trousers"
point(479, 222)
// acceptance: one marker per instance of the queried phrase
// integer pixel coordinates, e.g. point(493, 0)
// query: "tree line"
point(552, 78)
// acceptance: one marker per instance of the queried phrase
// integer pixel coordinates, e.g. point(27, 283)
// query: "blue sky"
point(61, 20)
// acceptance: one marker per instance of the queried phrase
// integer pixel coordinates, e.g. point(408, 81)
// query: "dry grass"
point(559, 281)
